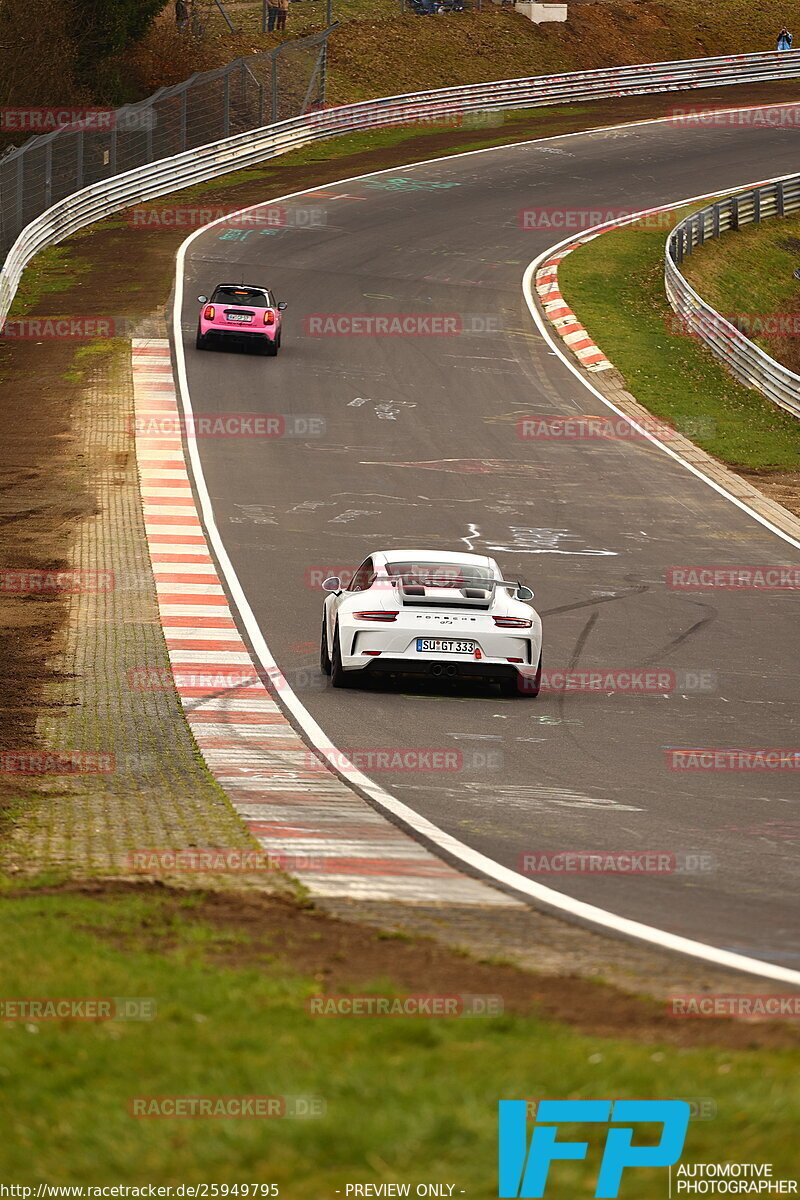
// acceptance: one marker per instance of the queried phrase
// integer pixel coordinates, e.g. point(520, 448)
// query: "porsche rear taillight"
point(377, 614)
point(209, 312)
point(513, 622)
point(269, 317)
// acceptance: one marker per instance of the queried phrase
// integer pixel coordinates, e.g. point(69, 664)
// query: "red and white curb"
point(300, 812)
point(562, 317)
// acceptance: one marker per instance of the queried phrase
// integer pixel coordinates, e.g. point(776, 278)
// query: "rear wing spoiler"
point(478, 593)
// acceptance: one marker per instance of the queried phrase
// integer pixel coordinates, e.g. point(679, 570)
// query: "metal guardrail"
point(119, 191)
point(751, 365)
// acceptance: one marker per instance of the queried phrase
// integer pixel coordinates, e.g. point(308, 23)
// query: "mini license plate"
point(240, 318)
point(444, 646)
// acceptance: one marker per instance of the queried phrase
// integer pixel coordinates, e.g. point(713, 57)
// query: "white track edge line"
point(412, 820)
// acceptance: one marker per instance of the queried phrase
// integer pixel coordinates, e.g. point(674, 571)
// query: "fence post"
point(79, 161)
point(112, 152)
point(149, 136)
point(183, 130)
point(48, 174)
point(734, 212)
point(20, 191)
point(779, 198)
point(715, 211)
point(274, 104)
point(264, 16)
point(260, 104)
point(226, 106)
point(756, 206)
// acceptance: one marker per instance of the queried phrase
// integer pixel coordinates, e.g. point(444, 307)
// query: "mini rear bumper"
point(239, 332)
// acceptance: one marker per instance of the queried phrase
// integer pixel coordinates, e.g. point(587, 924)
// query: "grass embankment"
point(748, 276)
point(378, 51)
point(408, 1099)
point(616, 286)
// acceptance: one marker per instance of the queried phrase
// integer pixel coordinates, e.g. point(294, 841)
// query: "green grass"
point(615, 285)
point(407, 1099)
point(750, 272)
point(52, 271)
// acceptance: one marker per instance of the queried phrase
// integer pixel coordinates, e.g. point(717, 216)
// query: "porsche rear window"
point(248, 297)
point(438, 574)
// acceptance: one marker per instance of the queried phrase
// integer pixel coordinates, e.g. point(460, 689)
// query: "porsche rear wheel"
point(339, 677)
point(324, 656)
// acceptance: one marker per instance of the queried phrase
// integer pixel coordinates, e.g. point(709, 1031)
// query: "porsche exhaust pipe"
point(437, 669)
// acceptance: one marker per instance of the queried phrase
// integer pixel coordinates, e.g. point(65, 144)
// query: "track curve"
point(421, 446)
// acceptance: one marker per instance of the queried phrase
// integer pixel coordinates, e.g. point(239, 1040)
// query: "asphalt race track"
point(421, 449)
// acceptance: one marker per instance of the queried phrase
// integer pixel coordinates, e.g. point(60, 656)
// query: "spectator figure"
point(181, 14)
point(283, 12)
point(785, 39)
point(272, 14)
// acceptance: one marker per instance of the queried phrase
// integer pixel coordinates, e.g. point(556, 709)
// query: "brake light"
point(269, 317)
point(513, 622)
point(209, 312)
point(378, 614)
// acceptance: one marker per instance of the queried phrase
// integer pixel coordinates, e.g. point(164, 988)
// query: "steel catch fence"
point(212, 105)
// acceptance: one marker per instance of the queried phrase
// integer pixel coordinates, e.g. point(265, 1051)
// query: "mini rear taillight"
point(209, 312)
point(513, 622)
point(377, 614)
point(269, 317)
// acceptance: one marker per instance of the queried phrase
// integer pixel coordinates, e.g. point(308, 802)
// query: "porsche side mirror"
point(281, 306)
point(334, 584)
point(202, 299)
point(523, 593)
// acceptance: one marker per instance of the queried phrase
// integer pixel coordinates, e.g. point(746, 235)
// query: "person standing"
point(785, 39)
point(181, 15)
point(272, 14)
point(283, 12)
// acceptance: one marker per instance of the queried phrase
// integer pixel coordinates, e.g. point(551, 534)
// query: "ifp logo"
point(524, 1169)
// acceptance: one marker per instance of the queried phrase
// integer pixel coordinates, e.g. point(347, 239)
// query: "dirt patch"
point(781, 486)
point(274, 934)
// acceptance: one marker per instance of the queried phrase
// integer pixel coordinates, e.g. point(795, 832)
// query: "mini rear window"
point(248, 297)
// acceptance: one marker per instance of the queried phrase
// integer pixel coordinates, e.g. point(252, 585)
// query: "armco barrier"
point(748, 362)
point(244, 150)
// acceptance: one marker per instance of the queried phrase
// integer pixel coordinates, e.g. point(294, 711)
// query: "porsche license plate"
point(240, 318)
point(444, 646)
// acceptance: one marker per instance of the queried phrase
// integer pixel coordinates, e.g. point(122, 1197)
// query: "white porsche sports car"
point(431, 613)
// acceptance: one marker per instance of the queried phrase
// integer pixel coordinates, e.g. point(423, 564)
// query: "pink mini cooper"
point(237, 310)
